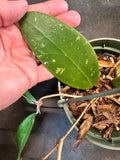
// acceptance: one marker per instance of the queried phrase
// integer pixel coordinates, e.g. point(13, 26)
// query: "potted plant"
point(67, 55)
point(101, 45)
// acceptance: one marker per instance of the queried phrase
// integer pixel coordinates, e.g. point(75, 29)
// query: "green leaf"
point(62, 49)
point(30, 99)
point(24, 132)
point(19, 158)
point(116, 81)
point(118, 69)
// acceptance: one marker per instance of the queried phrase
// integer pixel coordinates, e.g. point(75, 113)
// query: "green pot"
point(111, 46)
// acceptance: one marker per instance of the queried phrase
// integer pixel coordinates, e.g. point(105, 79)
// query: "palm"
point(18, 68)
point(17, 59)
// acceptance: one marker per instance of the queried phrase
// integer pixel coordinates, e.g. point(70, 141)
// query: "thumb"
point(12, 11)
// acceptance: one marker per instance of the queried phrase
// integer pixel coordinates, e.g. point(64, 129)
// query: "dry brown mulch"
point(103, 113)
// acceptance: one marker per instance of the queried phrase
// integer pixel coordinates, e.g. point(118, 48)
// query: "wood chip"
point(103, 63)
point(103, 124)
point(83, 129)
point(65, 89)
point(108, 132)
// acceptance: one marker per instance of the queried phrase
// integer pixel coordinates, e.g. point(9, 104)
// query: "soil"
point(103, 113)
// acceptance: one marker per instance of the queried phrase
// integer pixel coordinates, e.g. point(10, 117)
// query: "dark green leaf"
point(24, 132)
point(116, 81)
point(62, 49)
point(29, 97)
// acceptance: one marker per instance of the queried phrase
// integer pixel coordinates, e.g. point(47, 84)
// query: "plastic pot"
point(111, 46)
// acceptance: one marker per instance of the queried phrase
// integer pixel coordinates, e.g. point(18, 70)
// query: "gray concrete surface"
point(100, 18)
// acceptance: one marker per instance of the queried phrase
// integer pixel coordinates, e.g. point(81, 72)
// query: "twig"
point(59, 144)
point(52, 150)
point(59, 151)
point(84, 111)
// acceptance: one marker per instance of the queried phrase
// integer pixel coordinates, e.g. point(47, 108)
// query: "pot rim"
point(97, 39)
point(105, 44)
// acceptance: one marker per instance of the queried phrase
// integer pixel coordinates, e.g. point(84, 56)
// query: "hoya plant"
point(68, 56)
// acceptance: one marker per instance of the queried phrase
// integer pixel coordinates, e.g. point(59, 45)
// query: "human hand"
point(18, 68)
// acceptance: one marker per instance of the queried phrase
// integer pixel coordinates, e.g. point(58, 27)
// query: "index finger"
point(52, 7)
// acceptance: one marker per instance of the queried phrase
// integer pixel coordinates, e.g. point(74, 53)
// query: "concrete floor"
point(100, 18)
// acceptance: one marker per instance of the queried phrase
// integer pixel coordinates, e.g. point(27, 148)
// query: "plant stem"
point(52, 150)
point(59, 144)
point(68, 132)
point(39, 102)
point(57, 95)
point(59, 151)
